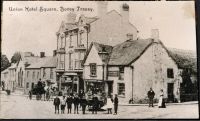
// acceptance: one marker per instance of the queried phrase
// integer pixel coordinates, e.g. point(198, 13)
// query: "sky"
point(35, 31)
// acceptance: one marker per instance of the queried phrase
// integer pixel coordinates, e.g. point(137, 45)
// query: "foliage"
point(16, 57)
point(4, 62)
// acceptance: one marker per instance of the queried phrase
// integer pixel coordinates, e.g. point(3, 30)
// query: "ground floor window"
point(27, 85)
point(121, 89)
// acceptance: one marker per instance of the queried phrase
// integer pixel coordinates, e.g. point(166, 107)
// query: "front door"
point(170, 92)
point(110, 87)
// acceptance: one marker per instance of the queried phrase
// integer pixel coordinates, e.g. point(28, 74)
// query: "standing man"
point(115, 104)
point(151, 95)
point(56, 103)
point(69, 104)
point(76, 103)
point(83, 104)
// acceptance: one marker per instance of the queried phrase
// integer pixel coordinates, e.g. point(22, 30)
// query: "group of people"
point(161, 102)
point(80, 101)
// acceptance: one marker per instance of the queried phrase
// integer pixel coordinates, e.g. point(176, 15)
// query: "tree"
point(4, 62)
point(16, 57)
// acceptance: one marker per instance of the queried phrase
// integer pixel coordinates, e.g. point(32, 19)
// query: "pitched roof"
point(5, 71)
point(184, 58)
point(38, 63)
point(50, 63)
point(13, 66)
point(128, 51)
point(105, 49)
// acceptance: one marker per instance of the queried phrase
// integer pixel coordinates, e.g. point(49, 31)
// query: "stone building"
point(130, 68)
point(43, 69)
point(77, 32)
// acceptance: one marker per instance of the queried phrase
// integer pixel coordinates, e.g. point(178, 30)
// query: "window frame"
point(93, 69)
point(170, 73)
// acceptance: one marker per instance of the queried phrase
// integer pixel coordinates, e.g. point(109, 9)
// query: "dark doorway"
point(170, 92)
point(32, 85)
point(110, 87)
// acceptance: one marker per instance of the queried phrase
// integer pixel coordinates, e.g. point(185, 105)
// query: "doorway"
point(170, 92)
point(110, 87)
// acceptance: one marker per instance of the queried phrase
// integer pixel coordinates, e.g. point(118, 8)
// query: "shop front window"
point(121, 89)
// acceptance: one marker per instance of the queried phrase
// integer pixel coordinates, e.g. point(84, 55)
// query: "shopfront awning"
point(70, 74)
point(95, 80)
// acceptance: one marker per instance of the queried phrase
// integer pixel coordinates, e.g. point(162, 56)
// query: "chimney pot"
point(42, 54)
point(129, 36)
point(54, 52)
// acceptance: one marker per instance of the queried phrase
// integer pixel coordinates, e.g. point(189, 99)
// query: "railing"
point(61, 51)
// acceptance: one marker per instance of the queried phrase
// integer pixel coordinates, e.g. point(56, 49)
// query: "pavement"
point(16, 106)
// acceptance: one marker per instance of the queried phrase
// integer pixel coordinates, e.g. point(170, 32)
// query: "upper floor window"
point(93, 69)
point(170, 73)
point(51, 73)
point(44, 72)
point(33, 76)
point(121, 73)
point(121, 89)
point(27, 74)
point(70, 60)
point(70, 40)
point(38, 74)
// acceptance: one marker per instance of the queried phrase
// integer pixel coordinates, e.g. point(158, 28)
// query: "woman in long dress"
point(109, 105)
point(161, 103)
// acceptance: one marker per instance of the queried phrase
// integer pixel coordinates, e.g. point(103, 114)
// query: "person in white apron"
point(161, 103)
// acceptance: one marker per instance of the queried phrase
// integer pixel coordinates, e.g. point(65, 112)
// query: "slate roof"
point(128, 51)
point(104, 48)
point(50, 63)
point(39, 63)
point(184, 58)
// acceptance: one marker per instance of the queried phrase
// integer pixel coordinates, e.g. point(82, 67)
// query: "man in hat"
point(115, 104)
point(56, 103)
point(151, 95)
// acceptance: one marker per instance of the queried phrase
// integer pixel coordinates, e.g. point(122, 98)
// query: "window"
point(51, 73)
point(93, 69)
point(33, 76)
point(44, 72)
point(170, 73)
point(38, 74)
point(70, 60)
point(27, 74)
point(62, 59)
point(121, 73)
point(70, 41)
point(121, 89)
point(27, 85)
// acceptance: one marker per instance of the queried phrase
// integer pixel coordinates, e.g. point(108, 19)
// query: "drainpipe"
point(132, 81)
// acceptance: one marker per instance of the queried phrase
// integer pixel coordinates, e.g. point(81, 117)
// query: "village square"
point(101, 69)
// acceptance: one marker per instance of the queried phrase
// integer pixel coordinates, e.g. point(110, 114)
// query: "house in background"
point(8, 77)
point(12, 77)
point(131, 68)
point(43, 69)
point(187, 64)
point(77, 32)
point(5, 79)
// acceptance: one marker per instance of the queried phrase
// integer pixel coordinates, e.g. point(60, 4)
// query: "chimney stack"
point(42, 54)
point(54, 52)
point(155, 35)
point(129, 36)
point(125, 13)
point(101, 8)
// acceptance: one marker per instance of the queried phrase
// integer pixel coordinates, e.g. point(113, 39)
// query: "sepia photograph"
point(99, 60)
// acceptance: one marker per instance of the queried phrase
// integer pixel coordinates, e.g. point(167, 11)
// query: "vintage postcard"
point(98, 60)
